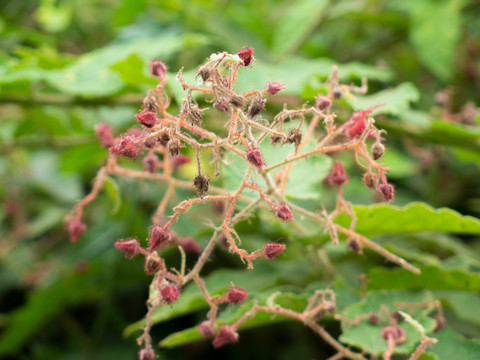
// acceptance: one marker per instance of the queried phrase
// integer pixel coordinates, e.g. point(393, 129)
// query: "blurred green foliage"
point(68, 65)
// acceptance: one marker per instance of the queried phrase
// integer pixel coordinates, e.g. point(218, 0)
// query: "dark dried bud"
point(377, 150)
point(236, 295)
point(274, 87)
point(276, 139)
point(130, 247)
point(147, 119)
point(194, 113)
point(370, 179)
point(151, 141)
point(387, 191)
point(323, 102)
point(174, 147)
point(256, 107)
point(169, 293)
point(147, 354)
point(283, 212)
point(246, 54)
point(222, 105)
point(272, 250)
point(75, 229)
point(189, 244)
point(237, 101)
point(441, 322)
point(254, 156)
point(105, 134)
point(180, 160)
point(397, 316)
point(201, 184)
point(226, 335)
point(338, 176)
point(150, 104)
point(158, 68)
point(128, 146)
point(207, 329)
point(159, 236)
point(150, 163)
point(205, 73)
point(395, 333)
point(337, 92)
point(374, 319)
point(164, 138)
point(354, 245)
point(294, 137)
point(153, 263)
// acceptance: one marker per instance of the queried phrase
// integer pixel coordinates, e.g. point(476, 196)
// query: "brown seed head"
point(370, 179)
point(153, 263)
point(257, 105)
point(354, 245)
point(222, 105)
point(201, 184)
point(237, 101)
point(377, 150)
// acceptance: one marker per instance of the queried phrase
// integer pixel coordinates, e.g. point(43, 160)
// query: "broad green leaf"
point(451, 345)
point(295, 23)
point(393, 101)
point(384, 218)
point(133, 71)
point(113, 191)
point(368, 337)
point(465, 304)
point(433, 20)
point(431, 277)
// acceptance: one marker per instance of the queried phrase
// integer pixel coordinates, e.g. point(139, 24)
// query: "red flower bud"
point(323, 102)
point(128, 147)
point(254, 156)
point(147, 354)
point(387, 191)
point(159, 236)
point(206, 329)
point(150, 163)
point(135, 132)
point(246, 54)
point(105, 134)
point(337, 176)
point(158, 68)
point(272, 250)
point(226, 335)
point(169, 293)
point(130, 247)
point(189, 244)
point(283, 212)
point(356, 125)
point(236, 295)
point(147, 118)
point(76, 228)
point(274, 87)
point(395, 333)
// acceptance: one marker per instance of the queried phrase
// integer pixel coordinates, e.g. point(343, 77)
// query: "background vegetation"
point(68, 65)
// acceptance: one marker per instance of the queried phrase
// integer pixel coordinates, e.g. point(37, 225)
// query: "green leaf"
point(428, 24)
point(297, 21)
point(384, 218)
point(394, 101)
point(133, 71)
point(465, 304)
point(451, 345)
point(113, 190)
point(431, 277)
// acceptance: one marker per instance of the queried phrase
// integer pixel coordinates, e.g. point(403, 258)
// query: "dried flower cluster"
point(159, 142)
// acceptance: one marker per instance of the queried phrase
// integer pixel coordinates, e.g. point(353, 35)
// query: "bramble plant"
point(258, 188)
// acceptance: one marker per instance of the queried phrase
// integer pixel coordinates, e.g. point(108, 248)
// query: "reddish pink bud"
point(323, 102)
point(147, 118)
point(158, 68)
point(105, 134)
point(395, 333)
point(246, 54)
point(272, 250)
point(207, 329)
point(180, 160)
point(76, 228)
point(135, 132)
point(236, 295)
point(130, 247)
point(254, 156)
point(356, 125)
point(387, 191)
point(283, 212)
point(170, 293)
point(274, 87)
point(338, 176)
point(128, 147)
point(150, 163)
point(147, 354)
point(159, 236)
point(189, 244)
point(226, 335)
